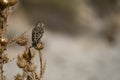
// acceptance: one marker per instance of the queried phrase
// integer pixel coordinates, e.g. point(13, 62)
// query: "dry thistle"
point(6, 3)
point(19, 77)
point(21, 61)
point(39, 46)
point(5, 6)
point(4, 41)
point(25, 61)
point(22, 40)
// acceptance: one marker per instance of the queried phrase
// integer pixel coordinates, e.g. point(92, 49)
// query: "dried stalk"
point(25, 60)
point(42, 65)
point(1, 69)
point(4, 13)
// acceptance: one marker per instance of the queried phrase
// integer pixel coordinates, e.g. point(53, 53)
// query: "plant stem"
point(42, 65)
point(1, 69)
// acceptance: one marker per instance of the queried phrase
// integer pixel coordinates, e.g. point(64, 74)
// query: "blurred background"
point(81, 40)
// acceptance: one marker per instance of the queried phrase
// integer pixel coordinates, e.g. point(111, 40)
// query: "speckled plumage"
point(37, 33)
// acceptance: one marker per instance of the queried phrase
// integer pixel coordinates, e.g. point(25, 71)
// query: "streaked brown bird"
point(37, 34)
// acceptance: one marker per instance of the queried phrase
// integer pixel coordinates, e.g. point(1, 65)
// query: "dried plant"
point(25, 61)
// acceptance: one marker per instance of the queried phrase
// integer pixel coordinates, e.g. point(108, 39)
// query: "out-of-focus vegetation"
point(57, 14)
point(104, 7)
point(54, 5)
point(99, 17)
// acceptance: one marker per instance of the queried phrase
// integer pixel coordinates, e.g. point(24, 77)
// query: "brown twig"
point(42, 65)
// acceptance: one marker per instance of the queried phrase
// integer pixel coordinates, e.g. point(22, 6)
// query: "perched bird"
point(37, 34)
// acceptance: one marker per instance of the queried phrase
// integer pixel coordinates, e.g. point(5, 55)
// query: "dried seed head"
point(18, 77)
point(29, 53)
point(20, 57)
point(26, 54)
point(2, 48)
point(3, 41)
point(39, 46)
point(5, 3)
point(32, 52)
point(26, 51)
point(5, 58)
point(22, 41)
point(21, 62)
point(31, 67)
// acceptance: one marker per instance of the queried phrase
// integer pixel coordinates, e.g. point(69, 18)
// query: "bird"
point(37, 33)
